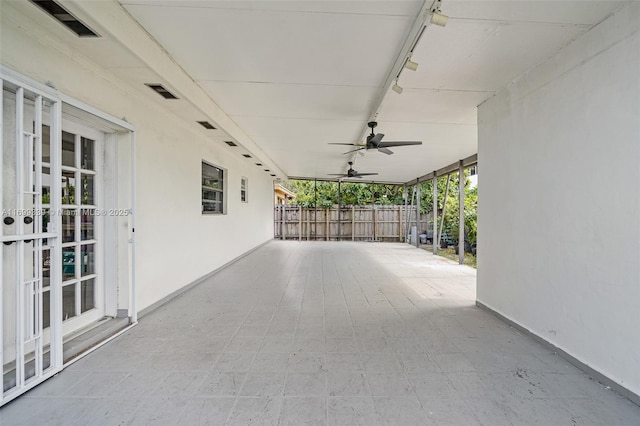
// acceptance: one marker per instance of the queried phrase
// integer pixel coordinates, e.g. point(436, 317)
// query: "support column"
point(436, 242)
point(417, 213)
point(339, 212)
point(461, 183)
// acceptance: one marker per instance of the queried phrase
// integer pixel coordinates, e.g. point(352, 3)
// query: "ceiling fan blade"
point(337, 174)
point(354, 150)
point(398, 143)
point(365, 174)
point(350, 144)
point(385, 150)
point(376, 139)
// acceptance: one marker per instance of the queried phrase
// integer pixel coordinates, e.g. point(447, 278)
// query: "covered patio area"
point(324, 333)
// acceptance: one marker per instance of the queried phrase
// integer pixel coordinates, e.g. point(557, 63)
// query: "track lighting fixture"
point(437, 18)
point(397, 88)
point(410, 65)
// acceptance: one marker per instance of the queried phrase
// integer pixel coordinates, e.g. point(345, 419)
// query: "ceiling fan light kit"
point(397, 88)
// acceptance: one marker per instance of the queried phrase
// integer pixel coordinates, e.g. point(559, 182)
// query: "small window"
point(213, 201)
point(243, 189)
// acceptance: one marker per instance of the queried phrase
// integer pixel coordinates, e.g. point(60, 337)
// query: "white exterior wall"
point(176, 244)
point(559, 201)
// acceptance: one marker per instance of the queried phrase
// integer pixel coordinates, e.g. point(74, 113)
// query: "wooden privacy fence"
point(355, 223)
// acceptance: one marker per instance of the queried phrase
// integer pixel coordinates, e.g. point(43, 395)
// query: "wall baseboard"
point(193, 284)
point(594, 374)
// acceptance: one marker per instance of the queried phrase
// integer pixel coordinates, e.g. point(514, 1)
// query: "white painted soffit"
point(112, 18)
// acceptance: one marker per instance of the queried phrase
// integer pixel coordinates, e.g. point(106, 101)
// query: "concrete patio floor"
point(321, 333)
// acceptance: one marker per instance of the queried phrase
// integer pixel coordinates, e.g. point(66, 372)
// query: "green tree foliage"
point(323, 194)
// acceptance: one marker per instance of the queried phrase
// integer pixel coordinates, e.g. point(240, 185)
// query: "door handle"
point(8, 243)
point(28, 220)
point(8, 220)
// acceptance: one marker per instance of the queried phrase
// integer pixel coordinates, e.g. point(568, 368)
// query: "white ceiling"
point(295, 75)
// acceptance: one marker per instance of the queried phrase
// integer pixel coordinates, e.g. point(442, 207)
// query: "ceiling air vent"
point(206, 125)
point(63, 16)
point(267, 170)
point(258, 164)
point(273, 175)
point(230, 143)
point(246, 155)
point(159, 89)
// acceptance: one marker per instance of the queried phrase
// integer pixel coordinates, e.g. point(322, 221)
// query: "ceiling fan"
point(374, 141)
point(352, 173)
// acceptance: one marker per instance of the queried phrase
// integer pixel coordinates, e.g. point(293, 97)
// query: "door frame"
point(100, 120)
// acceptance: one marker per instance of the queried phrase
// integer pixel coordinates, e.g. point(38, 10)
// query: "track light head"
point(410, 65)
point(397, 88)
point(438, 18)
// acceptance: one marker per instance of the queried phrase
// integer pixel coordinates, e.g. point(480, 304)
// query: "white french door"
point(29, 246)
point(51, 254)
point(81, 214)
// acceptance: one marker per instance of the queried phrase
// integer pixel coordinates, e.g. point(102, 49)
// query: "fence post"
point(326, 228)
point(299, 223)
point(373, 213)
point(400, 213)
point(353, 223)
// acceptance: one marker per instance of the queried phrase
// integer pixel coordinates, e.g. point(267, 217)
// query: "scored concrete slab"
point(324, 333)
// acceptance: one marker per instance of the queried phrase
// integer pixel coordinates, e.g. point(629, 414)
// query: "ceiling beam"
point(469, 161)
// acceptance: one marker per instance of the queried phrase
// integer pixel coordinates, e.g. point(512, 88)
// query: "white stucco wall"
point(176, 244)
point(559, 199)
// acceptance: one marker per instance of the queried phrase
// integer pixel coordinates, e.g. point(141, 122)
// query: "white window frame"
point(244, 189)
point(222, 190)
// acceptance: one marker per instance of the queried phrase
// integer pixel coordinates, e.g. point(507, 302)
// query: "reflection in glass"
point(68, 149)
point(68, 301)
point(68, 263)
point(46, 144)
point(46, 309)
point(87, 153)
point(87, 256)
point(46, 185)
point(46, 267)
point(87, 224)
point(87, 297)
point(46, 219)
point(68, 225)
point(68, 188)
point(87, 190)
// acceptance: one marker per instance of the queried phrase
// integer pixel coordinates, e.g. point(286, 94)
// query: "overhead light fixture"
point(397, 88)
point(437, 17)
point(410, 65)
